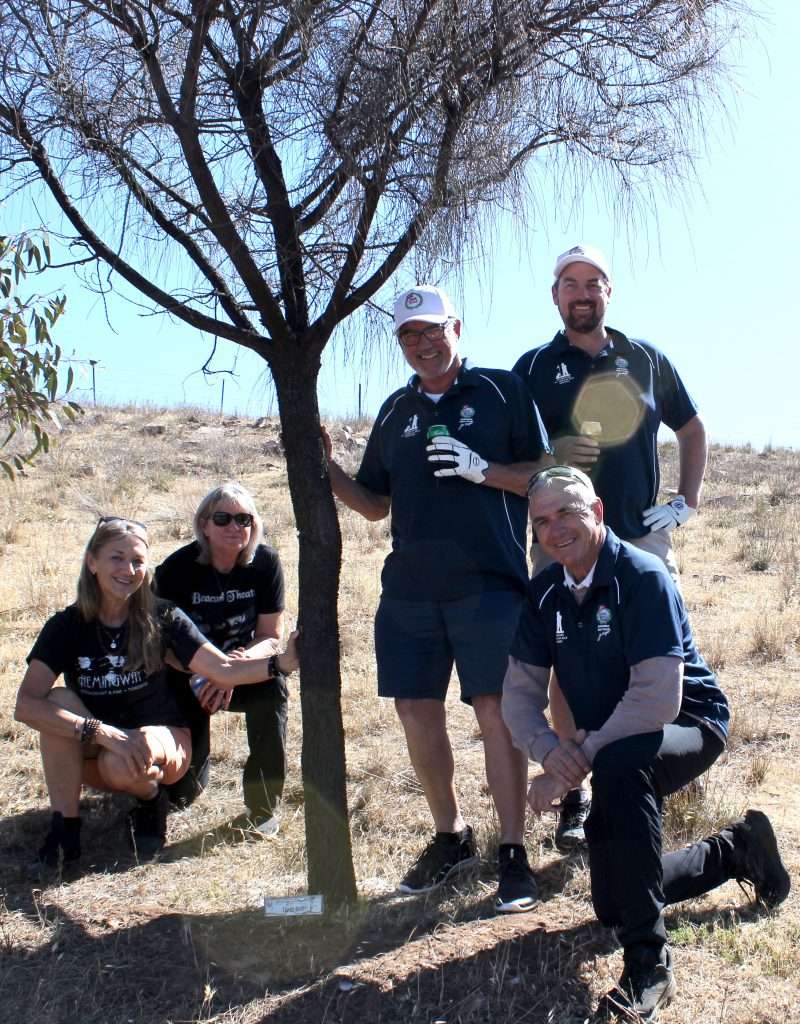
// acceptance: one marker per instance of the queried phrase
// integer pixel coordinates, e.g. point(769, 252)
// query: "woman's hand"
point(130, 746)
point(213, 700)
point(289, 660)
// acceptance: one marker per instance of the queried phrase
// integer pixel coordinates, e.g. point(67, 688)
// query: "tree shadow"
point(365, 965)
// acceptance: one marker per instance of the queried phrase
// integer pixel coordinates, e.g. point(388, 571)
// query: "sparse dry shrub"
point(773, 633)
point(715, 651)
point(697, 810)
point(760, 537)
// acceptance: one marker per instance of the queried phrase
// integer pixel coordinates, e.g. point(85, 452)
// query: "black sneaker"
point(147, 826)
point(758, 861)
point(446, 855)
point(575, 809)
point(640, 992)
point(517, 891)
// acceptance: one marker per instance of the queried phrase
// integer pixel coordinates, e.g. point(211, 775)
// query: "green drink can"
point(437, 430)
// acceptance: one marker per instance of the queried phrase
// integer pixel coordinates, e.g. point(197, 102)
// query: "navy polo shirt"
point(633, 611)
point(452, 538)
point(630, 388)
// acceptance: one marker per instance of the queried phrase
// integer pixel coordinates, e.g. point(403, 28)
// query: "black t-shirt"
point(126, 698)
point(224, 606)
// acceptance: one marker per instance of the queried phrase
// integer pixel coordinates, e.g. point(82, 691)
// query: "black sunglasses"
point(240, 518)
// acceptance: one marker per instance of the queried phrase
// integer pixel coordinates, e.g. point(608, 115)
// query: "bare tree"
point(259, 170)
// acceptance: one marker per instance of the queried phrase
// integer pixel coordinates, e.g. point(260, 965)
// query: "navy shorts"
point(417, 642)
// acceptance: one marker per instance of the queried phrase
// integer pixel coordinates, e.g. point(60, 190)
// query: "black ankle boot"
point(62, 844)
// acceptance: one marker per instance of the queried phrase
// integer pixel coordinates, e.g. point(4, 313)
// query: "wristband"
point(90, 727)
point(273, 668)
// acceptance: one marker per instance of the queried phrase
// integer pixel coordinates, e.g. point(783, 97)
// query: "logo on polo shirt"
point(561, 636)
point(412, 427)
point(466, 417)
point(563, 376)
point(621, 366)
point(603, 621)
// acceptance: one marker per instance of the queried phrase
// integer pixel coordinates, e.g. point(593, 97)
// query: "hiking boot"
point(445, 856)
point(641, 991)
point(147, 826)
point(757, 860)
point(517, 891)
point(62, 845)
point(256, 826)
point(575, 809)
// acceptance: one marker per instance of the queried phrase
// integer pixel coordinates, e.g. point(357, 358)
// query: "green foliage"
point(29, 358)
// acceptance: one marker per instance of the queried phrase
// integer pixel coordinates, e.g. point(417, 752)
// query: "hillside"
point(186, 939)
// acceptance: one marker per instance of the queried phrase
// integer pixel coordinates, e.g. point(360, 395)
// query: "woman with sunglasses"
point(230, 584)
point(115, 725)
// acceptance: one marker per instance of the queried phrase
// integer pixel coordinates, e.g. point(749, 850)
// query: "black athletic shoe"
point(575, 809)
point(147, 826)
point(640, 992)
point(517, 891)
point(757, 860)
point(445, 856)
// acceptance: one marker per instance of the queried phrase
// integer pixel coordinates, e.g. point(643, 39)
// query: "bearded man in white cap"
point(449, 456)
point(603, 397)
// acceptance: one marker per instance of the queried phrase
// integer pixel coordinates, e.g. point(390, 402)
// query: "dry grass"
point(185, 940)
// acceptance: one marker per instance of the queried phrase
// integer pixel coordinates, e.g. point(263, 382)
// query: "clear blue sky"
point(708, 278)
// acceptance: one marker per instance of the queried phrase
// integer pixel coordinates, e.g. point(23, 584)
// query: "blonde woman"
point(114, 725)
point(230, 584)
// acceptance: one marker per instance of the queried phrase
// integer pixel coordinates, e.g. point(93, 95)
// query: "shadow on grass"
point(65, 956)
point(385, 961)
point(191, 967)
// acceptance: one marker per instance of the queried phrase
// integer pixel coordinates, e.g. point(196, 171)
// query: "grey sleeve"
point(652, 700)
point(524, 701)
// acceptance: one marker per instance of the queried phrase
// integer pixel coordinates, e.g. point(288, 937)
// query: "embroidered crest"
point(563, 376)
point(466, 417)
point(603, 621)
point(621, 366)
point(413, 300)
point(561, 636)
point(412, 427)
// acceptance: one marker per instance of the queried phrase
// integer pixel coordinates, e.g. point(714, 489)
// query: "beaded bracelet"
point(90, 727)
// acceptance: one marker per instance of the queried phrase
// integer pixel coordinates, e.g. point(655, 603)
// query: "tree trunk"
point(330, 858)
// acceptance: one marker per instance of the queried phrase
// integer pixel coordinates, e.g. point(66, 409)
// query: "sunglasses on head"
point(119, 519)
point(557, 473)
point(240, 518)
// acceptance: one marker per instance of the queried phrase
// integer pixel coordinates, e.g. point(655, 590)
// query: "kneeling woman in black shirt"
point(115, 725)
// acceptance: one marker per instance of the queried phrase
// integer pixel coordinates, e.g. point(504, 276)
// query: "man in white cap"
point(450, 455)
point(603, 397)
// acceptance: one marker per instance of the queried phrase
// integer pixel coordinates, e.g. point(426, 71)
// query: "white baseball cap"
point(423, 302)
point(583, 254)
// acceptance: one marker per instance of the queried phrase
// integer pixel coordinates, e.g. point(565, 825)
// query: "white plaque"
point(293, 906)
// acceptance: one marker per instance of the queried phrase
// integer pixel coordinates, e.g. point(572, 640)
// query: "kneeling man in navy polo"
point(450, 455)
point(650, 717)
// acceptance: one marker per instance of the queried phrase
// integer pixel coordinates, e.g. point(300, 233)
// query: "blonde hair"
point(143, 648)
point(230, 491)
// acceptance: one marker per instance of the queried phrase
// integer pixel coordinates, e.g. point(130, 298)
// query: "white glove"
point(458, 459)
point(667, 517)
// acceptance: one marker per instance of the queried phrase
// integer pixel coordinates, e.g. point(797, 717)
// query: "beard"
point(584, 322)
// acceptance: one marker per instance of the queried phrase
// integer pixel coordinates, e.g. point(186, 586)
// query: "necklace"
point(110, 637)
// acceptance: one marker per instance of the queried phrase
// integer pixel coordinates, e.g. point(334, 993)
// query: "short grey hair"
point(230, 491)
point(564, 478)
